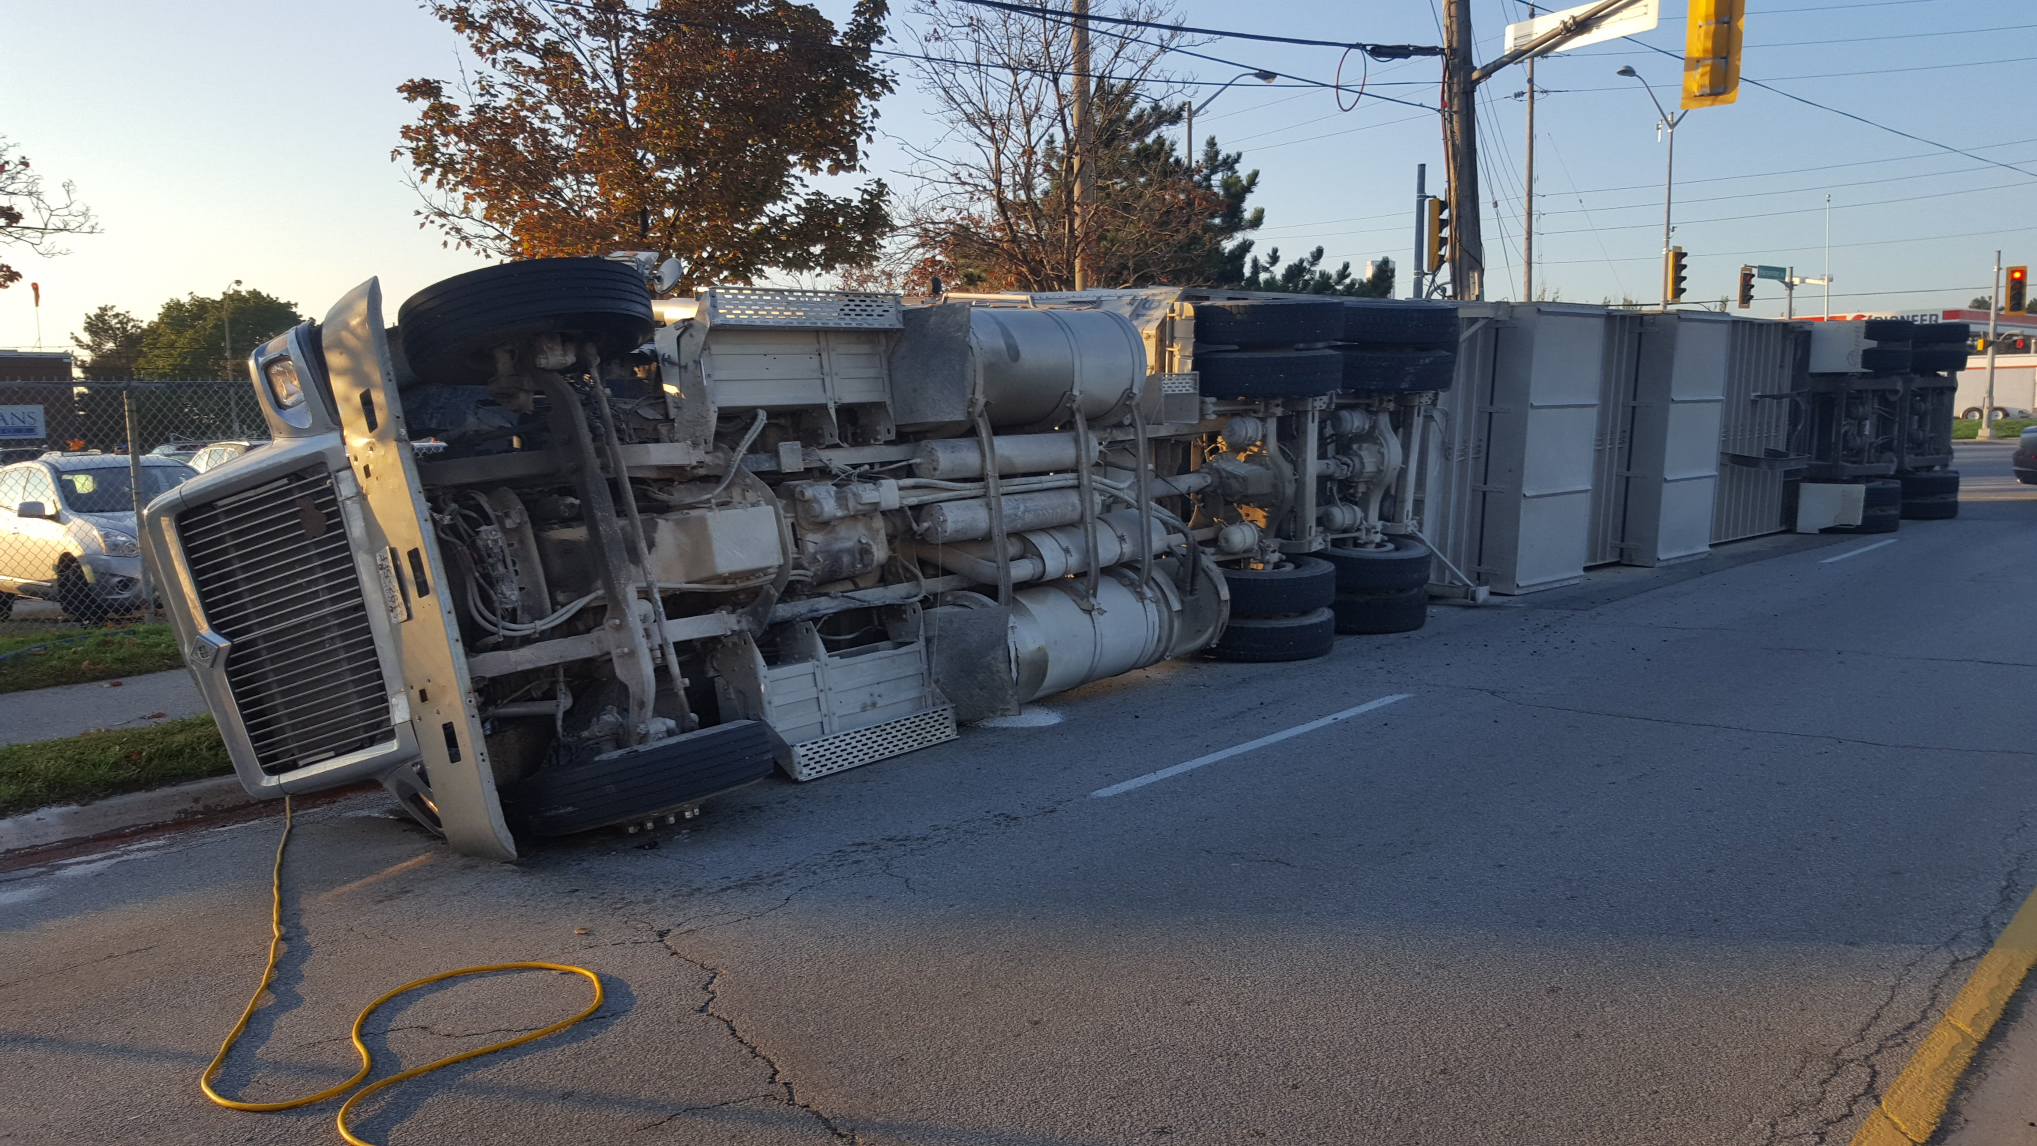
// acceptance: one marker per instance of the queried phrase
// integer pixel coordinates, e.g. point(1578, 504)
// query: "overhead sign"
point(22, 424)
point(1776, 273)
point(1639, 16)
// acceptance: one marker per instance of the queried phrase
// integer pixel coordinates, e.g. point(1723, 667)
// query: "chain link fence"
point(77, 461)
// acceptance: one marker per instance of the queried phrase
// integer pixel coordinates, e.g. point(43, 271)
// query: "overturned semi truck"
point(656, 549)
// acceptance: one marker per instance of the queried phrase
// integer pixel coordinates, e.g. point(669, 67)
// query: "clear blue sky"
point(230, 139)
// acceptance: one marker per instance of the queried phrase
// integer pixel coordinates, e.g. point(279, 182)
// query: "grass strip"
point(95, 765)
point(100, 656)
point(2005, 428)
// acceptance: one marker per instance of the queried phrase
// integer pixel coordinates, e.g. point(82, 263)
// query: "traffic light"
point(2019, 283)
point(1711, 52)
point(1746, 287)
point(1439, 234)
point(1676, 273)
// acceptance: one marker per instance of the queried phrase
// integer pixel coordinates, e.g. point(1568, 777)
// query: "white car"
point(67, 531)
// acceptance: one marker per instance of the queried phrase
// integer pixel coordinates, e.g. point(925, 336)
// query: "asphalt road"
point(1685, 856)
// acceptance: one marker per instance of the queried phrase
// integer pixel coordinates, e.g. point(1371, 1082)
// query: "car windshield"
point(105, 489)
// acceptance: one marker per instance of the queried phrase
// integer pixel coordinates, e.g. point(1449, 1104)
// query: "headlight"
point(284, 386)
point(118, 544)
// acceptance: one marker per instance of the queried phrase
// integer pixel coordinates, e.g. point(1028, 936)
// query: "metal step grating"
point(275, 577)
point(824, 755)
point(801, 309)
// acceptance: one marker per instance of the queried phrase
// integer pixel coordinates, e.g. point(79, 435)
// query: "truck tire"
point(1263, 640)
point(1885, 359)
point(1943, 507)
point(1399, 371)
point(450, 327)
point(1402, 611)
point(1268, 322)
point(1935, 483)
point(1303, 585)
point(1878, 519)
point(637, 784)
point(1882, 493)
point(1890, 330)
point(1970, 414)
point(1937, 359)
point(1410, 324)
point(1941, 334)
point(1270, 373)
point(1401, 564)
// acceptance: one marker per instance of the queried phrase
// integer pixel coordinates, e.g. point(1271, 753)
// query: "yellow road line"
point(1909, 1112)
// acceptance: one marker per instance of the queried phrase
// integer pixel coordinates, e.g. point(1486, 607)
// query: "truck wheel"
point(451, 327)
point(1401, 564)
point(1303, 585)
point(1936, 483)
point(1264, 640)
point(1415, 325)
point(1268, 322)
point(1270, 373)
point(1879, 519)
point(637, 784)
point(1889, 330)
point(1403, 611)
point(1399, 371)
point(1937, 359)
point(1941, 334)
point(1882, 493)
point(1885, 359)
point(1940, 508)
point(75, 595)
point(1970, 414)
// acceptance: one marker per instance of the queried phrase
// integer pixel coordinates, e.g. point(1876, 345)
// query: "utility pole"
point(1421, 207)
point(1528, 192)
point(1987, 408)
point(1460, 152)
point(1085, 139)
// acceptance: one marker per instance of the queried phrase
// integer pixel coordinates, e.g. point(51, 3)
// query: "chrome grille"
point(276, 578)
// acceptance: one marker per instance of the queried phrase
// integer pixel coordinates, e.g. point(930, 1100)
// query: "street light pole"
point(1994, 307)
point(227, 313)
point(1190, 107)
point(1669, 123)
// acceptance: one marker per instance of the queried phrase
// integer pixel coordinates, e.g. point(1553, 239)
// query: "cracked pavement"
point(1693, 855)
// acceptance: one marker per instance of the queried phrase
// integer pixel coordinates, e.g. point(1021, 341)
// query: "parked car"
point(67, 530)
point(2025, 461)
point(175, 451)
point(11, 454)
point(219, 452)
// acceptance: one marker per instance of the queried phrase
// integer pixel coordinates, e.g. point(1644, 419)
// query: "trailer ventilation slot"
point(826, 754)
point(801, 309)
point(301, 662)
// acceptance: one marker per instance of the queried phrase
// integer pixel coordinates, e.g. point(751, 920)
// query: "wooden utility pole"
point(1085, 141)
point(1528, 192)
point(1460, 152)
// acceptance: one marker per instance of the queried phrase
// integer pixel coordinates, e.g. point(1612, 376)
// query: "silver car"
point(67, 531)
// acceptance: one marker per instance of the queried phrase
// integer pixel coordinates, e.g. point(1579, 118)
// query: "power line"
point(1793, 190)
point(1376, 51)
point(1808, 210)
point(1056, 18)
point(1907, 36)
point(1785, 171)
point(1769, 251)
point(1859, 118)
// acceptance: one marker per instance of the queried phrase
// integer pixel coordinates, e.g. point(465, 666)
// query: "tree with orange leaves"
point(693, 128)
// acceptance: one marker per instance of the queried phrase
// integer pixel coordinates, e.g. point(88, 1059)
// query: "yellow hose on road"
point(367, 1059)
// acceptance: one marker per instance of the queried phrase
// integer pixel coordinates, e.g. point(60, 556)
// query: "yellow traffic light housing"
point(2019, 286)
point(1746, 287)
point(1711, 52)
point(1439, 234)
point(1676, 274)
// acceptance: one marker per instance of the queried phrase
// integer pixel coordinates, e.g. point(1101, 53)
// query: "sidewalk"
point(47, 713)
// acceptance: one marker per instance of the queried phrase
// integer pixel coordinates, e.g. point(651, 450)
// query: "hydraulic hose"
point(205, 1080)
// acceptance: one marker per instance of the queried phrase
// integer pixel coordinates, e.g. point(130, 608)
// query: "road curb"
point(135, 810)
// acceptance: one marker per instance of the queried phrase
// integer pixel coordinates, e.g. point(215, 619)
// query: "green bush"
point(95, 765)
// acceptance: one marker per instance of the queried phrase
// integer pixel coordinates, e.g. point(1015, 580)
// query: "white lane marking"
point(1859, 551)
point(1248, 746)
